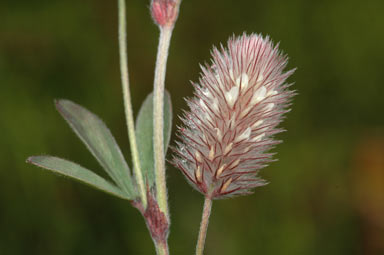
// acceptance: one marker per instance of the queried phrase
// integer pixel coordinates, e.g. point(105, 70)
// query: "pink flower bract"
point(237, 105)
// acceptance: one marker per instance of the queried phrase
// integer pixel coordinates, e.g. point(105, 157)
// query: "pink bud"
point(164, 12)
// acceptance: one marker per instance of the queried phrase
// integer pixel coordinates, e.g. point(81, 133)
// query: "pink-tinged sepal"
point(237, 106)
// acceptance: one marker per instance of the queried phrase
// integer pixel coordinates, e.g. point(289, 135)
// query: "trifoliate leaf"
point(77, 172)
point(100, 142)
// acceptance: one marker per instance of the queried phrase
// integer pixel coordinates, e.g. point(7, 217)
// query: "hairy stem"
point(127, 101)
point(162, 249)
point(158, 120)
point(204, 226)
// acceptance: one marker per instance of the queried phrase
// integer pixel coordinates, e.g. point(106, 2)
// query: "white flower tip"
point(198, 156)
point(231, 96)
point(235, 163)
point(269, 107)
point(257, 123)
point(208, 117)
point(258, 138)
point(215, 105)
point(220, 170)
point(198, 174)
point(260, 78)
point(242, 81)
point(231, 74)
point(248, 148)
point(228, 148)
point(226, 185)
point(219, 134)
point(271, 93)
point(202, 104)
point(259, 95)
point(244, 136)
point(211, 155)
point(207, 93)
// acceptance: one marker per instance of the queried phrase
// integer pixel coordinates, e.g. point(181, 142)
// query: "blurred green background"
point(326, 194)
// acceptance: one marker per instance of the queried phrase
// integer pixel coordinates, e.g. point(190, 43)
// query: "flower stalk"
point(162, 249)
point(127, 101)
point(164, 13)
point(204, 226)
point(158, 122)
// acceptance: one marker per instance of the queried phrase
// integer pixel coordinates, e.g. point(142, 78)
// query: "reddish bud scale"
point(237, 105)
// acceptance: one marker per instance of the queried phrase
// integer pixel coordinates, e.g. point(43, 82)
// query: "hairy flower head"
point(237, 105)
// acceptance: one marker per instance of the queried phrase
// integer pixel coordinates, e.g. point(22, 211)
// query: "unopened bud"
point(164, 12)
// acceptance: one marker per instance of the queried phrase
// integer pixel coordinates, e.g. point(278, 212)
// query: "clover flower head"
point(238, 103)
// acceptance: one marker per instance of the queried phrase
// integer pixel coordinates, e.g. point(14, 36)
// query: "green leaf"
point(100, 142)
point(77, 172)
point(144, 134)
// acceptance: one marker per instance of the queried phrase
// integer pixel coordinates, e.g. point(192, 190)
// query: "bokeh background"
point(326, 194)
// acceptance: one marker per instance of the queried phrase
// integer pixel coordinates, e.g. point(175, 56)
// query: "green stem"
point(127, 101)
point(204, 226)
point(158, 120)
